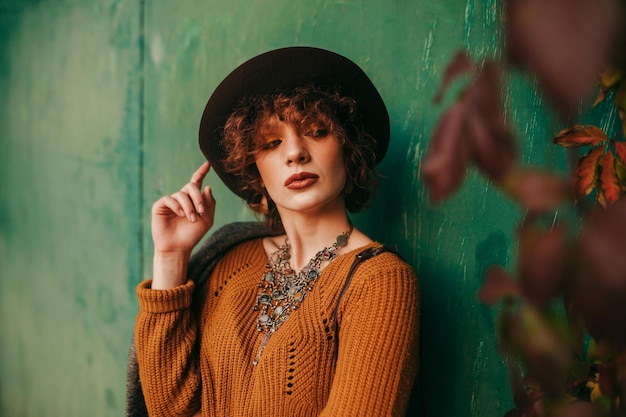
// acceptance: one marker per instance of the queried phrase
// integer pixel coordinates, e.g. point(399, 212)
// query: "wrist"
point(169, 269)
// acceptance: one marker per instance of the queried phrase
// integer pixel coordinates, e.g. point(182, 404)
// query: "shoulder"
point(383, 270)
point(377, 258)
point(382, 284)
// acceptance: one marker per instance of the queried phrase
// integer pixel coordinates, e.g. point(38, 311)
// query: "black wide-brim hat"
point(282, 70)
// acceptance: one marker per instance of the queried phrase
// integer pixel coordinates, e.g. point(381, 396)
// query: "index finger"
point(200, 173)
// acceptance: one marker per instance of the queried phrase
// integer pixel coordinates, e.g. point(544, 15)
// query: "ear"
point(264, 206)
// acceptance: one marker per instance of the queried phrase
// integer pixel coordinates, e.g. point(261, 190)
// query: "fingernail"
point(200, 209)
point(192, 217)
point(181, 212)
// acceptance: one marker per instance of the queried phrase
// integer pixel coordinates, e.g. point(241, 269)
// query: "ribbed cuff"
point(164, 301)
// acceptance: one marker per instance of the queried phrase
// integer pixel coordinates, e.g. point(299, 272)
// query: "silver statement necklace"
point(282, 290)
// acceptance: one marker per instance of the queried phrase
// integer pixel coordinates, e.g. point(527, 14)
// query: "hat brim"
point(283, 69)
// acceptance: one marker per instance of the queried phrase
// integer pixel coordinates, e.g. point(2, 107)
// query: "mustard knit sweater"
point(358, 361)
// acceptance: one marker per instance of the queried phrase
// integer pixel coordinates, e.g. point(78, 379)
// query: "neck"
point(307, 236)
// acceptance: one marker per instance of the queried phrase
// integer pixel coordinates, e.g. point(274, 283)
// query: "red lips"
point(301, 180)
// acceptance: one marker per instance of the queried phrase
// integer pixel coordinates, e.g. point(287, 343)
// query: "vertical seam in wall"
point(142, 121)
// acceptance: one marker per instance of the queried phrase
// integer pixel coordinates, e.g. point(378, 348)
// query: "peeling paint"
point(157, 50)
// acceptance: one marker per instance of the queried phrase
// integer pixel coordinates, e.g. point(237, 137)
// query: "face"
point(302, 169)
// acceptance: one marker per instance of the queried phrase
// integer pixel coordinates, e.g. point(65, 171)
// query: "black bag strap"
point(360, 257)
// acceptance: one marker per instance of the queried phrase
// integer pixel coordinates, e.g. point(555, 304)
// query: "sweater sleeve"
point(167, 352)
point(378, 341)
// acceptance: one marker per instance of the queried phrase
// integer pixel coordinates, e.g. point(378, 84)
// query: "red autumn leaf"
point(580, 135)
point(620, 152)
point(461, 64)
point(565, 43)
point(609, 188)
point(535, 190)
point(586, 173)
point(446, 161)
point(494, 150)
point(620, 161)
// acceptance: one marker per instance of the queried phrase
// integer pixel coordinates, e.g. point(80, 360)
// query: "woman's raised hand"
point(178, 223)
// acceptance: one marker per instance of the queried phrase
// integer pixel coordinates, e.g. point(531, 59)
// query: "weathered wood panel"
point(69, 205)
point(99, 113)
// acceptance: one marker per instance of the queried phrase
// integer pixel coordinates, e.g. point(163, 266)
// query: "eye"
point(318, 133)
point(271, 144)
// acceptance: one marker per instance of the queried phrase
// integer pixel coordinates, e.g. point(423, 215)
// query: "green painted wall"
point(99, 107)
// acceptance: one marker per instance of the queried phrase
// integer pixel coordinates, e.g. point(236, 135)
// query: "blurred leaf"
point(513, 413)
point(608, 378)
point(580, 135)
point(601, 285)
point(620, 96)
point(610, 77)
point(542, 262)
point(461, 64)
point(620, 373)
point(535, 190)
point(473, 129)
point(546, 355)
point(578, 330)
point(565, 43)
point(494, 150)
point(497, 285)
point(609, 189)
point(586, 173)
point(578, 409)
point(446, 161)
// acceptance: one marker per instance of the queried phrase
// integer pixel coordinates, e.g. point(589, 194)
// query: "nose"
point(296, 150)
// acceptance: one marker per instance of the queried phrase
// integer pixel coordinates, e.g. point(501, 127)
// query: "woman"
point(286, 324)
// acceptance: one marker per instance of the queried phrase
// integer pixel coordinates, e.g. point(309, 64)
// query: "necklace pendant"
point(265, 299)
point(342, 240)
point(278, 295)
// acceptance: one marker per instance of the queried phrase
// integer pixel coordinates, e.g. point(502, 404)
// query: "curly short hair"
point(301, 106)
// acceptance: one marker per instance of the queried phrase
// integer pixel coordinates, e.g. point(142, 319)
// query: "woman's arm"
point(166, 335)
point(167, 350)
point(378, 341)
point(178, 223)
